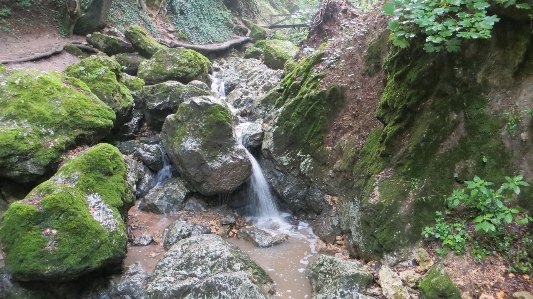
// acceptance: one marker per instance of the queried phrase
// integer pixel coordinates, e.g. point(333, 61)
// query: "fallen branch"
point(210, 47)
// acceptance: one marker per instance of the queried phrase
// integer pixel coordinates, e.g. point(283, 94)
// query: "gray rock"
point(261, 238)
point(206, 266)
point(128, 147)
point(134, 174)
point(423, 259)
point(147, 182)
point(327, 226)
point(227, 219)
point(175, 232)
point(333, 277)
point(160, 100)
point(142, 240)
point(411, 278)
point(110, 45)
point(391, 284)
point(251, 134)
point(151, 155)
point(170, 197)
point(94, 16)
point(132, 127)
point(199, 140)
point(200, 230)
point(522, 295)
point(130, 62)
point(195, 204)
point(132, 284)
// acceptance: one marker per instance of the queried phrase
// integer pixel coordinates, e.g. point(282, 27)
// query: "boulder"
point(333, 277)
point(142, 43)
point(43, 114)
point(151, 155)
point(169, 197)
point(251, 134)
point(129, 62)
point(261, 238)
point(253, 52)
point(180, 230)
point(71, 224)
point(134, 84)
point(257, 32)
point(132, 284)
point(277, 52)
point(110, 45)
point(391, 284)
point(176, 64)
point(102, 74)
point(94, 16)
point(327, 226)
point(199, 140)
point(160, 100)
point(206, 266)
point(437, 284)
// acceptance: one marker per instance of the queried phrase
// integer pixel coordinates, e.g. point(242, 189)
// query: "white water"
point(164, 173)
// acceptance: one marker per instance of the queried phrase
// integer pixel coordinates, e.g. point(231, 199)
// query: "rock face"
point(43, 114)
point(110, 45)
point(71, 224)
point(333, 277)
point(200, 142)
point(169, 197)
point(177, 64)
point(261, 238)
point(102, 75)
point(206, 266)
point(94, 16)
point(277, 52)
point(142, 43)
point(180, 230)
point(161, 100)
point(437, 284)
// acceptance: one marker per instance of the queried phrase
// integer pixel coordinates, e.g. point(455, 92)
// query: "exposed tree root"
point(209, 48)
point(48, 54)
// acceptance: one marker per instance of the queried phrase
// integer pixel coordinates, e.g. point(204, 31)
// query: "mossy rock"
point(199, 140)
point(134, 84)
point(142, 42)
point(130, 62)
point(71, 224)
point(260, 44)
point(257, 32)
point(110, 45)
point(438, 285)
point(253, 52)
point(73, 50)
point(43, 115)
point(3, 68)
point(176, 64)
point(277, 52)
point(289, 66)
point(103, 74)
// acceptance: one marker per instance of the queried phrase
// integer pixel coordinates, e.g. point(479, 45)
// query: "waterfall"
point(218, 86)
point(165, 172)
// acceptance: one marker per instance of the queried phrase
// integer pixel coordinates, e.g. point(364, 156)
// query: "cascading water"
point(165, 172)
point(218, 86)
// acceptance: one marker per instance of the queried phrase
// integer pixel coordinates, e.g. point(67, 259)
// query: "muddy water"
point(285, 263)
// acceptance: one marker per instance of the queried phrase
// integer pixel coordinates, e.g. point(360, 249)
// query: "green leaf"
point(388, 9)
point(523, 6)
point(400, 42)
point(479, 219)
point(508, 218)
point(394, 25)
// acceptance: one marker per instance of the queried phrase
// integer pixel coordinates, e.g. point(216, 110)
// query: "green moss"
point(3, 68)
point(253, 52)
point(257, 32)
point(53, 235)
point(438, 285)
point(142, 43)
point(133, 83)
point(289, 66)
point(73, 50)
point(277, 52)
point(260, 44)
point(43, 114)
point(177, 64)
point(377, 50)
point(102, 75)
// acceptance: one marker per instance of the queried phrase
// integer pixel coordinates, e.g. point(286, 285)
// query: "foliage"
point(126, 13)
point(5, 12)
point(486, 209)
point(444, 23)
point(202, 21)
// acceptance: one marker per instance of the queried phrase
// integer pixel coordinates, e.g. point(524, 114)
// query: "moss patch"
point(70, 224)
point(277, 52)
point(142, 43)
point(43, 114)
point(438, 285)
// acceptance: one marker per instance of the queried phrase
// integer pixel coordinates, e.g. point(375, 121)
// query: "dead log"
point(204, 49)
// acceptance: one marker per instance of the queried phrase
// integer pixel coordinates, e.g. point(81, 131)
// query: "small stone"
point(410, 278)
point(142, 240)
point(391, 284)
point(423, 259)
point(523, 295)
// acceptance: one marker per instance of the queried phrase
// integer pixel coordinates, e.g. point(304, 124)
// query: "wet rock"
point(391, 284)
point(180, 230)
point(333, 277)
point(423, 259)
point(200, 85)
point(200, 230)
point(169, 197)
point(151, 155)
point(148, 181)
point(251, 134)
point(141, 240)
point(260, 237)
point(277, 52)
point(131, 128)
point(12, 289)
point(160, 100)
point(175, 64)
point(110, 45)
point(142, 43)
point(195, 205)
point(327, 226)
point(437, 284)
point(37, 127)
point(199, 140)
point(134, 174)
point(206, 266)
point(128, 147)
point(227, 219)
point(132, 284)
point(130, 62)
point(290, 189)
point(71, 224)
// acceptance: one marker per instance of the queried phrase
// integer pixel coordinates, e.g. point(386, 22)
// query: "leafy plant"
point(512, 122)
point(24, 3)
point(444, 23)
point(5, 12)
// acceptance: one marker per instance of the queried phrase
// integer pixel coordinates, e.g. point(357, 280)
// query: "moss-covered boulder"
point(103, 74)
point(160, 100)
point(177, 64)
point(199, 140)
point(129, 62)
point(71, 224)
point(142, 42)
point(108, 44)
point(438, 285)
point(277, 52)
point(134, 84)
point(253, 52)
point(42, 115)
point(257, 32)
